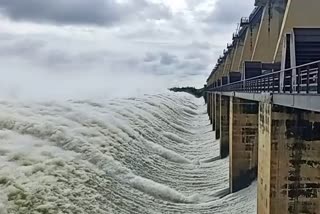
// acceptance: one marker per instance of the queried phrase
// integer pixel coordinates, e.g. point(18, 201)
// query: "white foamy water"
point(152, 154)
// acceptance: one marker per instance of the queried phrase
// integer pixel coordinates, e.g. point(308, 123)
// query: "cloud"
point(229, 12)
point(150, 57)
point(40, 66)
point(164, 63)
point(168, 59)
point(101, 45)
point(84, 12)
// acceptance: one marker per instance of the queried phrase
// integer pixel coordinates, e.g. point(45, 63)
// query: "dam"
point(84, 128)
point(263, 101)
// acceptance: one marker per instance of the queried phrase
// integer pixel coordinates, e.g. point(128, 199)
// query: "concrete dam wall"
point(264, 105)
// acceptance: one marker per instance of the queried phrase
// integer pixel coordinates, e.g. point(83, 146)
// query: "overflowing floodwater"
point(151, 154)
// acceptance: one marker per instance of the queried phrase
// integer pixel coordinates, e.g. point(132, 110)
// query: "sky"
point(110, 48)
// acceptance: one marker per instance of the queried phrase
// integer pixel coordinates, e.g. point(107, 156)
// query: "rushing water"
point(152, 154)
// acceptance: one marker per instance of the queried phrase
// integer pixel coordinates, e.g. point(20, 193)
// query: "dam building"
point(263, 100)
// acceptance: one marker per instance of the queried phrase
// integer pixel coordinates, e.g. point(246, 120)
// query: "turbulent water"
point(152, 154)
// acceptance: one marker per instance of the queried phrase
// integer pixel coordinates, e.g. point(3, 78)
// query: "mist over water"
point(87, 125)
point(37, 83)
point(144, 154)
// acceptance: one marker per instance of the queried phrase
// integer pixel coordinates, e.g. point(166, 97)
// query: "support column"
point(208, 103)
point(219, 72)
point(224, 139)
point(213, 111)
point(249, 44)
point(210, 107)
point(264, 162)
point(289, 161)
point(269, 31)
point(237, 55)
point(243, 143)
point(218, 116)
point(228, 62)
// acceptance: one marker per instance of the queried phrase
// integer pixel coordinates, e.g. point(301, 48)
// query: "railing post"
point(299, 81)
point(284, 82)
point(244, 80)
point(291, 81)
point(253, 87)
point(256, 85)
point(308, 80)
point(280, 83)
point(318, 79)
point(273, 82)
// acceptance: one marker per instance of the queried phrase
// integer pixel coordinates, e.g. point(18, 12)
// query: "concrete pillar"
point(298, 13)
point(220, 71)
point(214, 77)
point(264, 156)
point(249, 44)
point(243, 143)
point(208, 104)
point(210, 108)
point(228, 62)
point(213, 111)
point(224, 139)
point(269, 32)
point(237, 55)
point(289, 161)
point(218, 116)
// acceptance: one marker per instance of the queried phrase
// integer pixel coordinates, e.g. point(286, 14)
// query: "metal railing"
point(244, 20)
point(303, 79)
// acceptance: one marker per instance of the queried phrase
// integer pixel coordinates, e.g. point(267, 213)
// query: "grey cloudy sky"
point(86, 46)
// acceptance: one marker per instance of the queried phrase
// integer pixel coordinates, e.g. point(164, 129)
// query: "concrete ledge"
point(310, 102)
point(300, 101)
point(260, 97)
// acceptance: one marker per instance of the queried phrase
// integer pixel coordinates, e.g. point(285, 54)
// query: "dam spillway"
point(257, 152)
point(148, 154)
